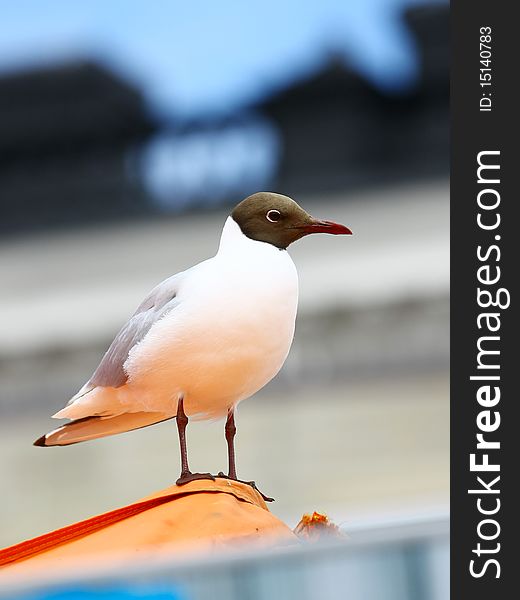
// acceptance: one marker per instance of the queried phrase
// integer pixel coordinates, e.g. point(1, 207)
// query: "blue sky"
point(209, 55)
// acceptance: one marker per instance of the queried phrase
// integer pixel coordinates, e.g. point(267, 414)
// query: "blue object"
point(108, 592)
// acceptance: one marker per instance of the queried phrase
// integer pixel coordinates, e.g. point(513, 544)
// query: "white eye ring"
point(273, 215)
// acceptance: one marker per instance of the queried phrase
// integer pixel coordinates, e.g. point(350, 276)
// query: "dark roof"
point(67, 108)
point(334, 80)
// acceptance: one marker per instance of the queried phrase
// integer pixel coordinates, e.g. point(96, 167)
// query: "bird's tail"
point(90, 428)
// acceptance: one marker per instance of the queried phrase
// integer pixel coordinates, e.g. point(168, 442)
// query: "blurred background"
point(127, 131)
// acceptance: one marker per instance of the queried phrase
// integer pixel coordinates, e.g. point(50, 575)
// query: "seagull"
point(204, 339)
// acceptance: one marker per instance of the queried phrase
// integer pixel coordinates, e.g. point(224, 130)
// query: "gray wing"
point(162, 299)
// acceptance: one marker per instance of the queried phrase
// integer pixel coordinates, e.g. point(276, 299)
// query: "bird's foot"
point(251, 483)
point(187, 477)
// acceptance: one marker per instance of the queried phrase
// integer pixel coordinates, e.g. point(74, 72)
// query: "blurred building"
point(338, 130)
point(75, 139)
point(68, 137)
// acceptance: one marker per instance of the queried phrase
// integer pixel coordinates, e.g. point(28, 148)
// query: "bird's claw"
point(187, 477)
point(250, 483)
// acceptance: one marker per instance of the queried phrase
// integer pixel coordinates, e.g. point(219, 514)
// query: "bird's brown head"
point(279, 220)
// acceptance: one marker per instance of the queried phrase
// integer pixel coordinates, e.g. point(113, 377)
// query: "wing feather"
point(161, 300)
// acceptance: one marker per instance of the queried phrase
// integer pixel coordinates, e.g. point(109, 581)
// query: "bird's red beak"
point(316, 226)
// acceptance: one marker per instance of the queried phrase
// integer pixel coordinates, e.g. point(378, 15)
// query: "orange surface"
point(202, 515)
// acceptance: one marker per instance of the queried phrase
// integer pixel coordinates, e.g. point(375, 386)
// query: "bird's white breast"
point(229, 335)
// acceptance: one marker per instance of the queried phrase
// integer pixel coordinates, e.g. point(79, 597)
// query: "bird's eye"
point(273, 216)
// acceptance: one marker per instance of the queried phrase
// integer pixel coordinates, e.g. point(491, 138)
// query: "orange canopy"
point(201, 515)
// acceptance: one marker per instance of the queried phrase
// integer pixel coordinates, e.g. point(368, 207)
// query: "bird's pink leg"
point(230, 439)
point(231, 430)
point(186, 474)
